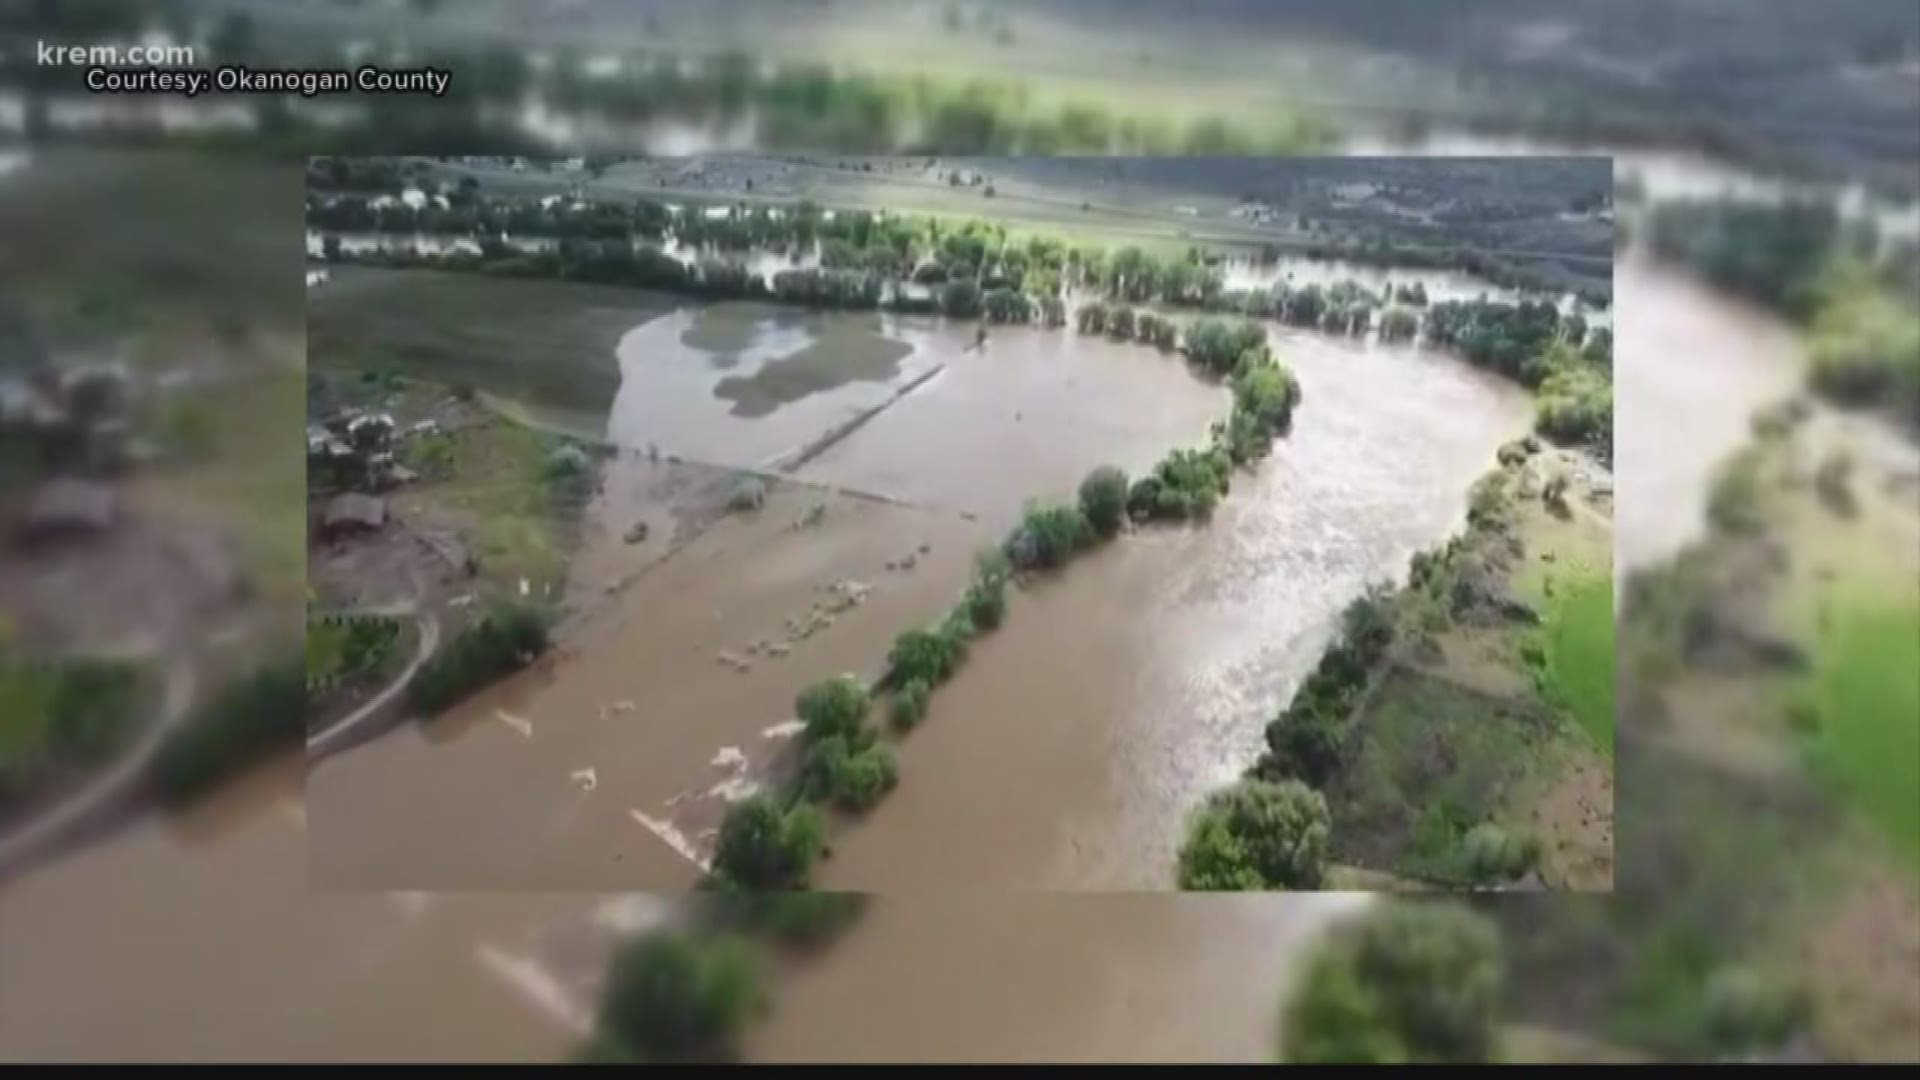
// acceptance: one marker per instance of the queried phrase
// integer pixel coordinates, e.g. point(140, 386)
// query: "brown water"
point(1690, 370)
point(498, 793)
point(681, 396)
point(199, 938)
point(610, 764)
point(207, 938)
point(1026, 416)
point(1011, 977)
point(1069, 750)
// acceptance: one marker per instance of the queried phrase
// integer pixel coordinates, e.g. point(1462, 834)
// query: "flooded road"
point(1068, 751)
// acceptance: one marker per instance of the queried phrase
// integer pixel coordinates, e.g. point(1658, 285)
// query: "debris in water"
point(735, 788)
point(461, 601)
point(730, 757)
point(734, 661)
point(518, 724)
point(786, 729)
point(926, 549)
point(624, 705)
point(779, 648)
point(587, 778)
point(637, 532)
point(673, 838)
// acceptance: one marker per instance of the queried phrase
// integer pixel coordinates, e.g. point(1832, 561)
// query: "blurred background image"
point(154, 887)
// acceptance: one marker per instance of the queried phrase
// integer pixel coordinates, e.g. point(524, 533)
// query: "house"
point(352, 514)
point(68, 507)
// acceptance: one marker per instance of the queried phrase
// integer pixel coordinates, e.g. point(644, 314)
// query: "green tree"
point(1257, 834)
point(762, 847)
point(673, 998)
point(925, 656)
point(1103, 499)
point(830, 707)
point(909, 704)
point(1407, 982)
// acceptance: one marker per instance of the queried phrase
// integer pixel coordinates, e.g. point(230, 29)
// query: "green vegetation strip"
point(1860, 713)
point(1576, 669)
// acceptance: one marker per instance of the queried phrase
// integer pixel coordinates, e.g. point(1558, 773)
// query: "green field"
point(547, 344)
point(503, 491)
point(1576, 643)
point(1865, 693)
point(56, 718)
point(1434, 759)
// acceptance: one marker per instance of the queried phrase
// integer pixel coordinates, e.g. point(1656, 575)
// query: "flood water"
point(1691, 368)
point(1069, 750)
point(609, 765)
point(1011, 977)
point(200, 938)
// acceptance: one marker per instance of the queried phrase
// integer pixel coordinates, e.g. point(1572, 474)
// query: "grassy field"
point(1864, 690)
point(503, 493)
point(1577, 658)
point(1434, 760)
point(248, 474)
point(547, 344)
point(60, 718)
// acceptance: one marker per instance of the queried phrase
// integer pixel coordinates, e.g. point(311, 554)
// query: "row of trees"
point(810, 105)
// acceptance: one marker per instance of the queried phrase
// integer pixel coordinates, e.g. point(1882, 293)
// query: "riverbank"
point(1458, 732)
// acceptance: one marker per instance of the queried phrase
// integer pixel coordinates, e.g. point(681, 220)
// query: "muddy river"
point(214, 937)
point(1116, 696)
point(1068, 751)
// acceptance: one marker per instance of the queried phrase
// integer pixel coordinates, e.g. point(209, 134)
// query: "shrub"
point(1408, 982)
point(1257, 831)
point(909, 704)
point(762, 847)
point(833, 707)
point(1103, 499)
point(1745, 1010)
point(926, 656)
point(1490, 854)
point(671, 998)
point(1047, 536)
point(1306, 740)
point(866, 777)
point(985, 603)
point(251, 717)
point(502, 641)
point(852, 774)
point(800, 920)
point(961, 299)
